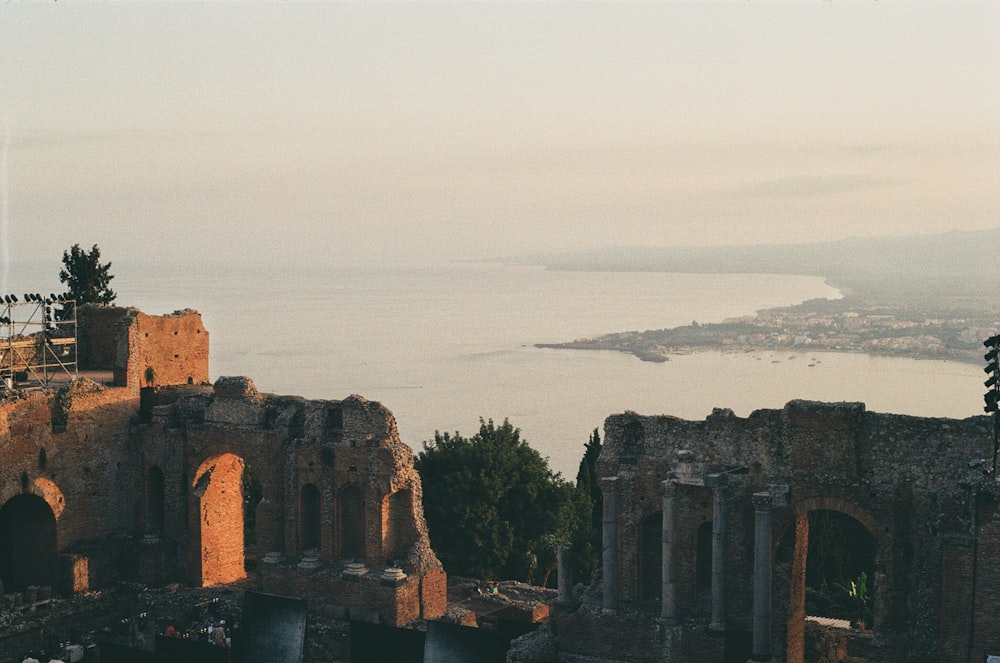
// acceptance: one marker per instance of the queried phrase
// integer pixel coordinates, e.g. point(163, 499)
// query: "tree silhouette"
point(86, 279)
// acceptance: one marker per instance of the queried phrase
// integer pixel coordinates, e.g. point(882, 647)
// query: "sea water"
point(444, 344)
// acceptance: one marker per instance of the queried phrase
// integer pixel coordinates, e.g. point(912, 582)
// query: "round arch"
point(798, 547)
point(28, 548)
point(217, 537)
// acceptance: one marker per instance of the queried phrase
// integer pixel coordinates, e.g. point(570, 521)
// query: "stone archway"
point(399, 531)
point(217, 493)
point(855, 533)
point(28, 543)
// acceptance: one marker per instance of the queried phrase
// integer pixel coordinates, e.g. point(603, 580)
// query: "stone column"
point(565, 564)
point(668, 592)
point(609, 542)
point(717, 482)
point(762, 578)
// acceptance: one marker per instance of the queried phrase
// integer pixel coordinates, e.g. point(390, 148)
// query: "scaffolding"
point(37, 346)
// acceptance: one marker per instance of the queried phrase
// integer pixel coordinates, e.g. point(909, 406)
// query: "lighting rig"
point(992, 395)
point(37, 345)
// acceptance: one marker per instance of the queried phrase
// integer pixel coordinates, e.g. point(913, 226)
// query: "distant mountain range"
point(955, 264)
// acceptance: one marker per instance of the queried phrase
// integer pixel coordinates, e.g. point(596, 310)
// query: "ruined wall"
point(337, 484)
point(154, 351)
point(97, 343)
point(147, 481)
point(70, 447)
point(907, 480)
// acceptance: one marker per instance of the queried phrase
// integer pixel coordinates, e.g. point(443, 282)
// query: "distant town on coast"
point(927, 297)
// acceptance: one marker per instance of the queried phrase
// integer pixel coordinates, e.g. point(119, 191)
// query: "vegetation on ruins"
point(839, 566)
point(494, 508)
point(87, 280)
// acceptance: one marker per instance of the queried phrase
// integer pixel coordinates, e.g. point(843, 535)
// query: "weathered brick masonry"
point(142, 479)
point(687, 492)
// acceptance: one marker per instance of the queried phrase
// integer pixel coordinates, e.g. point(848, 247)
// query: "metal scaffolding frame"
point(36, 347)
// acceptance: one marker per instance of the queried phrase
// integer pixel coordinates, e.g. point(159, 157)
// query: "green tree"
point(494, 508)
point(86, 279)
point(587, 545)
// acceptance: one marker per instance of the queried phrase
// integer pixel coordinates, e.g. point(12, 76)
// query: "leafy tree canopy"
point(494, 508)
point(86, 279)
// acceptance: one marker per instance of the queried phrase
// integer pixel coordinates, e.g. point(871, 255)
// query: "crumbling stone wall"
point(71, 449)
point(153, 351)
point(97, 343)
point(338, 448)
point(146, 481)
point(907, 480)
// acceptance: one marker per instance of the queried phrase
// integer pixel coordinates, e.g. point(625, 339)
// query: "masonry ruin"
point(146, 478)
point(706, 528)
point(146, 473)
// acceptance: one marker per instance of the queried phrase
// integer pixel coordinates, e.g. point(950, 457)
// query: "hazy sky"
point(371, 132)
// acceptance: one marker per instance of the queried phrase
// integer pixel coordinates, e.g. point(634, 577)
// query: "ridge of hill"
point(955, 264)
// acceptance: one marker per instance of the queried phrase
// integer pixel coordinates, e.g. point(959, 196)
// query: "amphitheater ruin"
point(143, 476)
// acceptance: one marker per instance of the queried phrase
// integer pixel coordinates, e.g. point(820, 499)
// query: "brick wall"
point(906, 480)
point(160, 350)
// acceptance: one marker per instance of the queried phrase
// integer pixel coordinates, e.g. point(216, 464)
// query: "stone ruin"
point(141, 476)
point(706, 528)
point(144, 478)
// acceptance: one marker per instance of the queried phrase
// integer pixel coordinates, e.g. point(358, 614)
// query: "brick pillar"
point(609, 544)
point(762, 578)
point(668, 593)
point(717, 482)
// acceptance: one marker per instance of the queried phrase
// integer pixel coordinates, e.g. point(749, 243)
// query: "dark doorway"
point(651, 560)
point(310, 508)
point(352, 523)
point(28, 553)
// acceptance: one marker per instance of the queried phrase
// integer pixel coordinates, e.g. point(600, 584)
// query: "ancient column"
point(668, 592)
point(762, 578)
point(609, 545)
point(565, 564)
point(717, 482)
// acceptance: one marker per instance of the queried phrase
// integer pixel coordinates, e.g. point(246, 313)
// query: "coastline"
point(850, 324)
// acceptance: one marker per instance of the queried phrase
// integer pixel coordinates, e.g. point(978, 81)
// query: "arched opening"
point(352, 523)
point(28, 554)
point(155, 502)
point(309, 510)
point(399, 531)
point(651, 557)
point(218, 491)
point(831, 553)
point(840, 564)
point(253, 494)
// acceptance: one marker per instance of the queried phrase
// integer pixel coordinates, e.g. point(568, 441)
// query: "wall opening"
point(831, 556)
point(253, 494)
point(399, 531)
point(309, 510)
point(218, 491)
point(28, 554)
point(155, 501)
point(352, 523)
point(651, 558)
point(840, 565)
